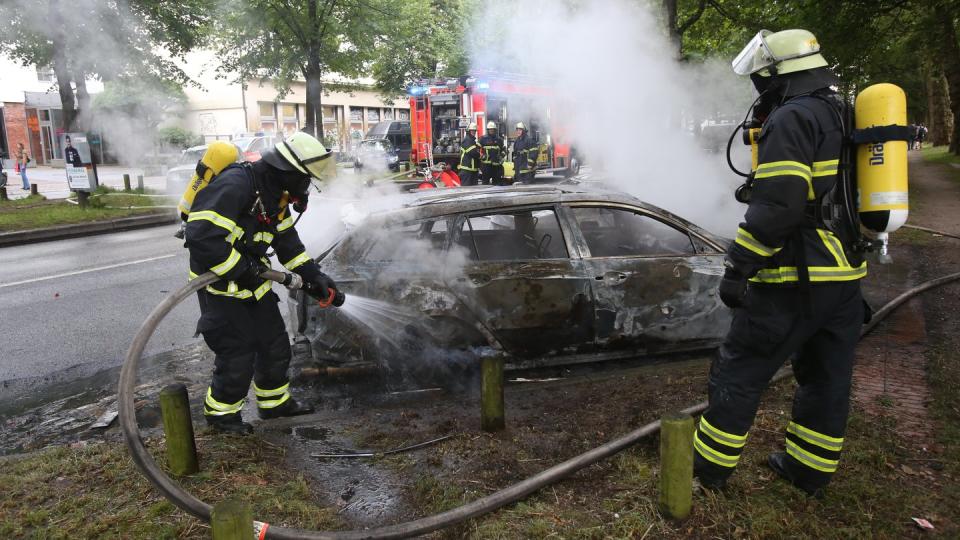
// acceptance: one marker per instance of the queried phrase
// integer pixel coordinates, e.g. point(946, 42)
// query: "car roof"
point(428, 203)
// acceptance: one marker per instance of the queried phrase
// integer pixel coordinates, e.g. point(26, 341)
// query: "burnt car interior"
point(615, 232)
point(523, 235)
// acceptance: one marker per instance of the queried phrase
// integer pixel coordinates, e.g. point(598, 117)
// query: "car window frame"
point(697, 241)
point(572, 253)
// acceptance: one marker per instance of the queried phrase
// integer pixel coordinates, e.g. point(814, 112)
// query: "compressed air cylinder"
point(218, 156)
point(882, 167)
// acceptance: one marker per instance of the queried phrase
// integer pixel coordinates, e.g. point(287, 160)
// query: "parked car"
point(397, 132)
point(179, 175)
point(251, 146)
point(376, 154)
point(545, 274)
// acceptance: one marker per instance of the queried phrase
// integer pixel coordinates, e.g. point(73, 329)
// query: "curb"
point(85, 229)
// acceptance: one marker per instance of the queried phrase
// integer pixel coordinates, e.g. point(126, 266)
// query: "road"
point(80, 301)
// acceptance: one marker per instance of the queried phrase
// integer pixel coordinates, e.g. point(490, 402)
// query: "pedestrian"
point(470, 155)
point(525, 152)
point(494, 152)
point(23, 159)
point(921, 136)
point(793, 285)
point(234, 221)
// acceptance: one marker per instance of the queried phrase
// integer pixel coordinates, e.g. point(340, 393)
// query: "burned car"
point(545, 275)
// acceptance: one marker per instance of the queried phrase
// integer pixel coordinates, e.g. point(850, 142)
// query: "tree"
point(289, 40)
point(105, 39)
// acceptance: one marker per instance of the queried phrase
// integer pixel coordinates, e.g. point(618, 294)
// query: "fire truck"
point(441, 110)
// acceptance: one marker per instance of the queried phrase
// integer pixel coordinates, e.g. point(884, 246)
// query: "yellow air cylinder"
point(217, 157)
point(882, 167)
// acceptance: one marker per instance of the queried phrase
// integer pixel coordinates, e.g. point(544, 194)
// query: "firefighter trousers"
point(771, 328)
point(491, 174)
point(467, 178)
point(250, 342)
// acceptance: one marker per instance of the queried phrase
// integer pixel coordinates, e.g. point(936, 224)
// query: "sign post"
point(80, 168)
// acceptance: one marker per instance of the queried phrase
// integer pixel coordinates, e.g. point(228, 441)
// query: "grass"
point(939, 154)
point(36, 212)
point(96, 491)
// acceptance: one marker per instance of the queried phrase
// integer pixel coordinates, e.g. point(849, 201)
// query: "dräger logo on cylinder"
point(876, 154)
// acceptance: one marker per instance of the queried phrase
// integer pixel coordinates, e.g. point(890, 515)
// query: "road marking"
point(87, 271)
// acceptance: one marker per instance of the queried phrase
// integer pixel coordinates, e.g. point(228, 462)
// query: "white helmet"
point(472, 126)
point(491, 125)
point(521, 126)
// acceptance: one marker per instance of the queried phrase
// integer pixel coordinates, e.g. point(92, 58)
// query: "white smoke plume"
point(630, 107)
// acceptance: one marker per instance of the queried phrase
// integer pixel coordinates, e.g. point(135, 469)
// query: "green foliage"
point(178, 137)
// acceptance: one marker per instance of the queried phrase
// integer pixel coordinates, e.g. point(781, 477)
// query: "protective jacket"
point(525, 152)
point(494, 152)
point(224, 234)
point(799, 152)
point(470, 154)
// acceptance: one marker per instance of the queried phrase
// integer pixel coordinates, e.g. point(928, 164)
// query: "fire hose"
point(191, 504)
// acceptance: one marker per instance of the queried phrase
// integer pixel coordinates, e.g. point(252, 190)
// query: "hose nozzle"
point(336, 299)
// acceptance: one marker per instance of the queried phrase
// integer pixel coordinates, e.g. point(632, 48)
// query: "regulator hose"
point(186, 501)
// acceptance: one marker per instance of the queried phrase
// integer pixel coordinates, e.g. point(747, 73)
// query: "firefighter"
point(524, 155)
point(470, 155)
point(494, 153)
point(793, 285)
point(233, 222)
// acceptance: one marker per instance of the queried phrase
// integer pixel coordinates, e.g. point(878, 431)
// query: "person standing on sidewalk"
point(23, 158)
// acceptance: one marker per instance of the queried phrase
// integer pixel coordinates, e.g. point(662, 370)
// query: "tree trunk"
point(670, 19)
point(951, 70)
point(61, 69)
point(940, 121)
point(314, 121)
point(83, 100)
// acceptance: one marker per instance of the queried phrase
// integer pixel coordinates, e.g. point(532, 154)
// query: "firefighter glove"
point(733, 289)
point(250, 278)
point(319, 285)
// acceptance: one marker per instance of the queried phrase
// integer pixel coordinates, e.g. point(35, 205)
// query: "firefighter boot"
point(780, 463)
point(230, 423)
point(289, 407)
point(708, 474)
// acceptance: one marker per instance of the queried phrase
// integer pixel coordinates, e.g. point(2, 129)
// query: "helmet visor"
point(323, 167)
point(755, 56)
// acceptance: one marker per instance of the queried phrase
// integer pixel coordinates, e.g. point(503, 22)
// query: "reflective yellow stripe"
point(296, 261)
point(272, 403)
point(810, 460)
point(228, 264)
point(784, 168)
point(213, 217)
point(819, 439)
point(722, 437)
point(285, 224)
point(712, 455)
point(213, 407)
point(825, 168)
point(260, 392)
point(263, 289)
point(786, 274)
point(465, 168)
point(263, 237)
point(747, 240)
point(234, 291)
point(834, 247)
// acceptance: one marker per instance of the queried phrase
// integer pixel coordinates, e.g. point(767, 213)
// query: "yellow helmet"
point(301, 152)
point(779, 53)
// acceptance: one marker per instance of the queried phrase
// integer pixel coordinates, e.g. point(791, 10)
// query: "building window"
point(268, 116)
point(388, 114)
point(290, 121)
point(46, 74)
point(356, 114)
point(329, 113)
point(373, 115)
point(403, 114)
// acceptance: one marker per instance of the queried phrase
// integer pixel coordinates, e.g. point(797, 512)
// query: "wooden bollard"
point(140, 182)
point(34, 189)
point(3, 194)
point(83, 199)
point(676, 465)
point(181, 448)
point(231, 520)
point(491, 394)
point(126, 182)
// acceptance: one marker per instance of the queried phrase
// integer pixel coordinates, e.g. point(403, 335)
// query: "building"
point(31, 112)
point(220, 109)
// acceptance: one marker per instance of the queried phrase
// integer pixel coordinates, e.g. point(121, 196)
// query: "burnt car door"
point(521, 282)
point(654, 280)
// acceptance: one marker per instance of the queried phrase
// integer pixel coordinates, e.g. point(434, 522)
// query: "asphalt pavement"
point(52, 182)
point(78, 302)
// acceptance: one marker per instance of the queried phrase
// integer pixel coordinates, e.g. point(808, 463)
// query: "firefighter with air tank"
point(525, 152)
point(470, 156)
point(793, 272)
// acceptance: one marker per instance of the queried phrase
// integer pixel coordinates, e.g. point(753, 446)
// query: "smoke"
point(629, 107)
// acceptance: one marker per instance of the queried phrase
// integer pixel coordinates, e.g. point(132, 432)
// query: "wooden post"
point(34, 189)
point(676, 465)
point(181, 448)
point(231, 520)
point(83, 198)
point(140, 182)
point(491, 394)
point(126, 182)
point(3, 194)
